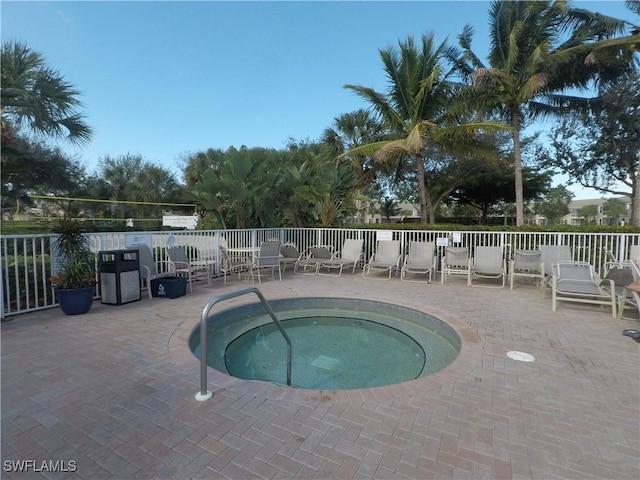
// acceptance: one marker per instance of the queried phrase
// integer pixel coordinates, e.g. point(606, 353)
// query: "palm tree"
point(416, 108)
point(121, 174)
point(34, 95)
point(389, 208)
point(349, 131)
point(539, 50)
point(232, 189)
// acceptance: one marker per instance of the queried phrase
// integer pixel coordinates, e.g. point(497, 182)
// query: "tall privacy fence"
point(28, 262)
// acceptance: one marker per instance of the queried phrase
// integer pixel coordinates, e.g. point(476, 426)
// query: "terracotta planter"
point(76, 301)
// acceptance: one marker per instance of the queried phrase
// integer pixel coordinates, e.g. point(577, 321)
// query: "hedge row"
point(25, 228)
point(499, 228)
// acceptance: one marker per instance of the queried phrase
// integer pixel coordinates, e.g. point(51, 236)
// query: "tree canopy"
point(602, 150)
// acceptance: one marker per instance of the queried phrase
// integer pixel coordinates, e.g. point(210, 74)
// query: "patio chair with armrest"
point(349, 256)
point(526, 264)
point(420, 260)
point(269, 257)
point(149, 268)
point(625, 279)
point(310, 259)
point(230, 265)
point(456, 261)
point(487, 263)
point(578, 282)
point(289, 255)
point(180, 263)
point(385, 259)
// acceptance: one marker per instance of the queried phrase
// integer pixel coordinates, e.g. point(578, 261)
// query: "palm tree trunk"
point(515, 132)
point(431, 207)
point(422, 189)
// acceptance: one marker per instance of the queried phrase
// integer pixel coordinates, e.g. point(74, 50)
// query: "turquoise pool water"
point(336, 343)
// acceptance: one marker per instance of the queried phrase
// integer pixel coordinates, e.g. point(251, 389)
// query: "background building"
point(581, 214)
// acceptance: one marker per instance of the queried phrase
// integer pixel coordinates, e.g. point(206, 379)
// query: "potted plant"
point(75, 282)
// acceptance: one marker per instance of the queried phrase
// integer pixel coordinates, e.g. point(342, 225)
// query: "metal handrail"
point(205, 394)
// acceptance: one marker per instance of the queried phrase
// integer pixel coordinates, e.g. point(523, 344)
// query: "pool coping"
point(471, 353)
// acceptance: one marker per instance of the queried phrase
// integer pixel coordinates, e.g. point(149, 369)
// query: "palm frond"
point(533, 86)
point(416, 137)
point(586, 25)
point(464, 40)
point(379, 103)
point(38, 97)
point(467, 131)
point(606, 50)
point(368, 149)
point(558, 105)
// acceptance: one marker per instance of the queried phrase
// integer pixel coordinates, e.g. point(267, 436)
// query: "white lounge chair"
point(269, 257)
point(551, 255)
point(349, 256)
point(385, 259)
point(180, 263)
point(420, 260)
point(309, 261)
point(455, 262)
point(487, 262)
point(149, 268)
point(578, 282)
point(526, 264)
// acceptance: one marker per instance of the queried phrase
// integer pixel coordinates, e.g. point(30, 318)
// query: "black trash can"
point(119, 273)
point(169, 287)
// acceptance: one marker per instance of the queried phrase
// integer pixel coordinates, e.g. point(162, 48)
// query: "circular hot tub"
point(337, 343)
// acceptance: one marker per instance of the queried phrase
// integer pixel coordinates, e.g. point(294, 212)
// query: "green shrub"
point(32, 279)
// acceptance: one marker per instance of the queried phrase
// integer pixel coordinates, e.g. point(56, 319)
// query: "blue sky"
point(164, 79)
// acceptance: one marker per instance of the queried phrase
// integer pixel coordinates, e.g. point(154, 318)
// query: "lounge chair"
point(578, 282)
point(487, 262)
point(288, 254)
point(230, 265)
point(309, 261)
point(269, 257)
point(623, 275)
point(551, 255)
point(149, 268)
point(455, 262)
point(180, 263)
point(349, 256)
point(419, 261)
point(628, 300)
point(385, 259)
point(527, 264)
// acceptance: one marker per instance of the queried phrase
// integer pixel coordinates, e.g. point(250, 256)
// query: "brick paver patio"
point(110, 394)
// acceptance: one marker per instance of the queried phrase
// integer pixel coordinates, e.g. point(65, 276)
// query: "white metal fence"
point(27, 262)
